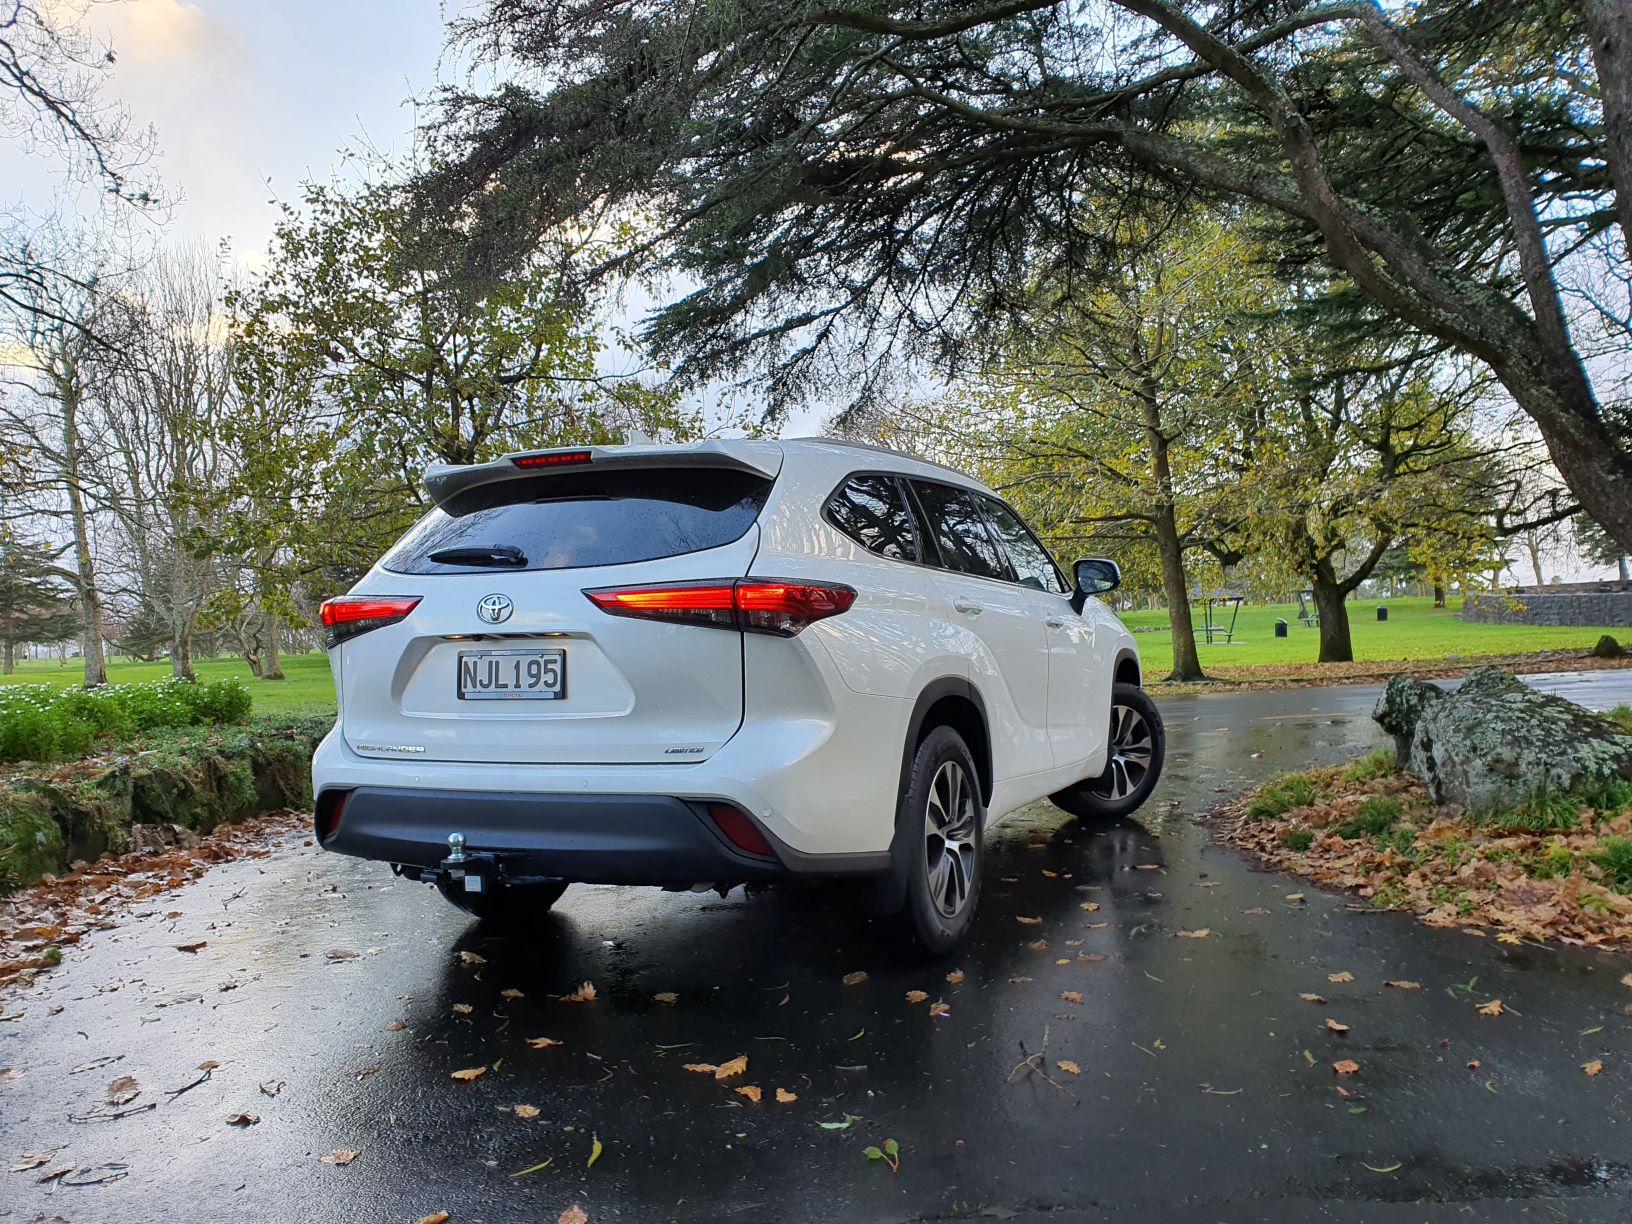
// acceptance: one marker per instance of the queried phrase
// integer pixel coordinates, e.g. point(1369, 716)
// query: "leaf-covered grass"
point(42, 723)
point(1557, 865)
point(307, 689)
point(1415, 629)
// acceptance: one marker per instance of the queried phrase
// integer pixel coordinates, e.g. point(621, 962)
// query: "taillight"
point(560, 458)
point(350, 615)
point(754, 605)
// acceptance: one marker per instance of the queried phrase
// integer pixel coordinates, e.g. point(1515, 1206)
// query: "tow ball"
point(473, 869)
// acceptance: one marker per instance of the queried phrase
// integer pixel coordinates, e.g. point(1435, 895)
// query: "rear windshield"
point(569, 520)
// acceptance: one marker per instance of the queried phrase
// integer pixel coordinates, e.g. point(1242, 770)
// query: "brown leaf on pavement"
point(55, 1172)
point(751, 1091)
point(955, 978)
point(123, 1090)
point(542, 1043)
point(784, 1097)
point(1593, 1067)
point(1307, 997)
point(1038, 945)
point(436, 1217)
point(574, 1215)
point(340, 954)
point(1403, 985)
point(1336, 1026)
point(1198, 933)
point(1342, 976)
point(193, 947)
point(464, 1009)
point(705, 1068)
point(736, 1066)
point(340, 1156)
point(526, 1111)
point(243, 1119)
point(1090, 907)
point(1028, 921)
point(469, 1073)
point(1345, 1066)
point(1626, 979)
point(395, 1026)
point(1069, 1067)
point(856, 978)
point(1071, 996)
point(271, 1088)
point(584, 994)
point(665, 996)
point(510, 992)
point(472, 958)
point(916, 996)
point(938, 1008)
point(1473, 1064)
point(32, 1160)
point(1493, 1008)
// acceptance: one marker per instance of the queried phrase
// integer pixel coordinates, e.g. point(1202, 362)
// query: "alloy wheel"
point(1132, 748)
point(949, 839)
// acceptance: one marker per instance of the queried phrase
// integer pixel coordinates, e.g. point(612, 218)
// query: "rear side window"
point(958, 527)
point(569, 520)
point(872, 511)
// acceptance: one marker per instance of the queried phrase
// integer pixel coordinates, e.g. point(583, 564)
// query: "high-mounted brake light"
point(756, 605)
point(544, 459)
point(350, 615)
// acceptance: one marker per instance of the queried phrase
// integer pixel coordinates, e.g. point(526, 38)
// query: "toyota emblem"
point(495, 609)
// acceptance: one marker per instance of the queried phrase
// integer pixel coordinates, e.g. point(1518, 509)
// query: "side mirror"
point(1094, 576)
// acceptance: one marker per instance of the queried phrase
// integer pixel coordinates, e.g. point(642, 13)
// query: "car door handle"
point(1055, 622)
point(967, 605)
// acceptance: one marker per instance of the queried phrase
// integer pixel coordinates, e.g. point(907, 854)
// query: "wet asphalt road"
point(1197, 1098)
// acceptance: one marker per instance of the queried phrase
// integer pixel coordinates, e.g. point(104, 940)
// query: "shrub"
point(1297, 839)
point(1609, 797)
point(41, 723)
point(1614, 858)
point(1549, 864)
point(1372, 818)
point(1621, 716)
point(1282, 795)
point(1378, 763)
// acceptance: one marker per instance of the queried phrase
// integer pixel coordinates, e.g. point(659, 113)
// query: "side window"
point(1032, 564)
point(872, 511)
point(959, 530)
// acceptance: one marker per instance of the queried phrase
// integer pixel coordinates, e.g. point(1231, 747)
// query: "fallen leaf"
point(1073, 943)
point(123, 1090)
point(541, 1165)
point(339, 954)
point(1028, 921)
point(510, 992)
point(1493, 1008)
point(940, 1009)
point(1336, 1026)
point(751, 1091)
point(1345, 1066)
point(595, 1150)
point(209, 1064)
point(1199, 933)
point(856, 978)
point(58, 1171)
point(1090, 907)
point(1404, 985)
point(1311, 998)
point(665, 996)
point(464, 1009)
point(469, 1073)
point(916, 996)
point(472, 958)
point(955, 978)
point(271, 1088)
point(1069, 1067)
point(1626, 979)
point(1038, 945)
point(193, 947)
point(1593, 1067)
point(574, 1215)
point(1091, 958)
point(1071, 996)
point(1052, 875)
point(340, 1156)
point(436, 1217)
point(1343, 976)
point(1393, 1168)
point(542, 1043)
point(705, 1068)
point(784, 1097)
point(526, 1111)
point(1508, 937)
point(395, 1026)
point(584, 994)
point(243, 1119)
point(1473, 1064)
point(32, 1160)
point(1293, 897)
point(736, 1066)
point(1064, 960)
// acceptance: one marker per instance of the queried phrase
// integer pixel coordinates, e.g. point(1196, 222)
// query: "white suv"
point(721, 663)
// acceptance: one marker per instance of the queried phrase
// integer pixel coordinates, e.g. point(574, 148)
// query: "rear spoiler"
point(445, 481)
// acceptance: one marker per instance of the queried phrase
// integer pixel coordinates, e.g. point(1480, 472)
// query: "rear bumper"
point(592, 839)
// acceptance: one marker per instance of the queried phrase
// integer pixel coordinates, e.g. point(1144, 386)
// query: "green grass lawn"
point(309, 688)
point(1415, 629)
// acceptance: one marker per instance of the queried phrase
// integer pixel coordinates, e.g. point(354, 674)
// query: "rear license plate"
point(510, 675)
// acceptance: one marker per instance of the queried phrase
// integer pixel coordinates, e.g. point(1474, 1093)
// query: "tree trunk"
point(1186, 662)
point(1331, 602)
point(10, 663)
point(274, 664)
point(181, 651)
point(1626, 576)
point(1534, 549)
point(1439, 594)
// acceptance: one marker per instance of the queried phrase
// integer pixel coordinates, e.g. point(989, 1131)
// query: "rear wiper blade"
point(495, 554)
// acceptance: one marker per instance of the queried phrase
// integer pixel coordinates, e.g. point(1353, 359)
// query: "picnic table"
point(1214, 628)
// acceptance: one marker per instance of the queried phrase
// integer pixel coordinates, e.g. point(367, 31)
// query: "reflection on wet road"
point(1206, 1089)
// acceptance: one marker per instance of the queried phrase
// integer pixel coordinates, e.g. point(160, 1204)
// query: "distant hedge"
point(195, 778)
point(39, 722)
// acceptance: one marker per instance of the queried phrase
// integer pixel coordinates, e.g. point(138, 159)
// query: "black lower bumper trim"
point(589, 839)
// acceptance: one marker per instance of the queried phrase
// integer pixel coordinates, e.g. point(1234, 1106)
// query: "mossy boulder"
point(1400, 708)
point(30, 842)
point(1496, 743)
point(1608, 648)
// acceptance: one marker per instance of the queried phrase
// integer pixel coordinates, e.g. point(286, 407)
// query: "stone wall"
point(1608, 603)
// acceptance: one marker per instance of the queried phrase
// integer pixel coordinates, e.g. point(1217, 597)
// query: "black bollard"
point(1382, 613)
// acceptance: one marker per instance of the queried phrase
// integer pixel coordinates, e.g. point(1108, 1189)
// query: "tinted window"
point(872, 512)
point(571, 519)
point(1032, 564)
point(959, 530)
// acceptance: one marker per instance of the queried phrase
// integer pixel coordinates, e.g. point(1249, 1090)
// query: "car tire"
point(1138, 746)
point(510, 904)
point(941, 831)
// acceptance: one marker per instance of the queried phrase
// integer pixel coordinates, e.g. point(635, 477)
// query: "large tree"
point(846, 177)
point(34, 606)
